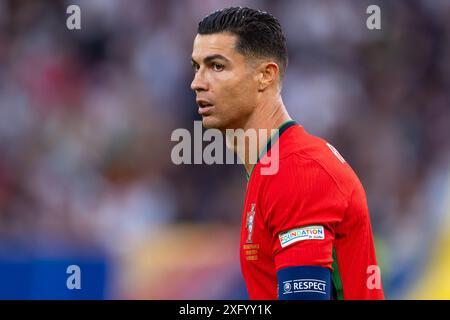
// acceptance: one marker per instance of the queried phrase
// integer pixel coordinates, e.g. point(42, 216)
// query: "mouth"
point(204, 107)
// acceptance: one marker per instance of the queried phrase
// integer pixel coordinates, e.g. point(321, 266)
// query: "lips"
point(204, 103)
point(204, 106)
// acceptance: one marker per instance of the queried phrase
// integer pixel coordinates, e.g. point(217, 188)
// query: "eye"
point(218, 66)
point(195, 67)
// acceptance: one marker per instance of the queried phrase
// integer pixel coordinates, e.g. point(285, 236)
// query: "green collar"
point(285, 125)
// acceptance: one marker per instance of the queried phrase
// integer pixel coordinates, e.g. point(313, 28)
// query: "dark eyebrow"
point(208, 59)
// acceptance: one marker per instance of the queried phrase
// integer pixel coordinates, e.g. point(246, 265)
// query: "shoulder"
point(308, 162)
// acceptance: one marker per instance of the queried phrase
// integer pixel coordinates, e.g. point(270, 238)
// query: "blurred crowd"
point(86, 117)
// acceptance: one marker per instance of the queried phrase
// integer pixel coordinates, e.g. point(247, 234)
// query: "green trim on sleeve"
point(336, 276)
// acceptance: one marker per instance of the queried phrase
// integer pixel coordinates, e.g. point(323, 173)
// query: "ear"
point(268, 74)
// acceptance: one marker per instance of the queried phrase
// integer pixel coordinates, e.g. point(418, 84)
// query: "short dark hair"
point(259, 33)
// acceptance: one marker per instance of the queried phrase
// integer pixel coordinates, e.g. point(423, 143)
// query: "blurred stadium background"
point(85, 124)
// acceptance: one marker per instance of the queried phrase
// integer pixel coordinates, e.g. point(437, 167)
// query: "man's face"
point(224, 82)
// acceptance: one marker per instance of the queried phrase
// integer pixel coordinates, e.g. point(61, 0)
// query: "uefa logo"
point(287, 287)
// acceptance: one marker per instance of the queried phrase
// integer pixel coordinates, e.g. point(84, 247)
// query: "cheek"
point(246, 97)
point(240, 91)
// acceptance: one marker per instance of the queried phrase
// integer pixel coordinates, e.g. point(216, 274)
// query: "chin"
point(210, 122)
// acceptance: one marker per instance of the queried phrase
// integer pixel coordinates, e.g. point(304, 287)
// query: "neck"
point(267, 116)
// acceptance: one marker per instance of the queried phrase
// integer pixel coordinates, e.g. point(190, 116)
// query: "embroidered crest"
point(249, 224)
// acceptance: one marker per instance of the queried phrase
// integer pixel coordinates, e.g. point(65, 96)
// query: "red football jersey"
point(312, 212)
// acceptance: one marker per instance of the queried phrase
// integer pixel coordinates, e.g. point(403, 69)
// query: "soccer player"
point(306, 231)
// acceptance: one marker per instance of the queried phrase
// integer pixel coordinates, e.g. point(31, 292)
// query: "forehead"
point(217, 43)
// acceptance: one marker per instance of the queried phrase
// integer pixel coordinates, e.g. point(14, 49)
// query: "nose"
point(198, 83)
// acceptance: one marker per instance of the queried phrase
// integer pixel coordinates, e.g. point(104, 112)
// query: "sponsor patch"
point(299, 234)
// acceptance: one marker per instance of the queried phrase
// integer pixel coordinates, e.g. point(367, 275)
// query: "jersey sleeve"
point(302, 204)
